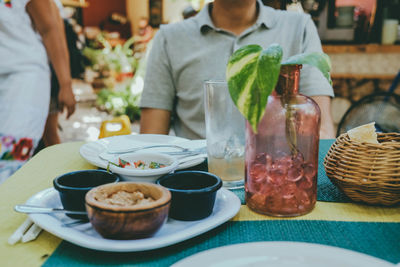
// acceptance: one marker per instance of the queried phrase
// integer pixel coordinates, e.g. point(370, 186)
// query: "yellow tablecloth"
point(36, 175)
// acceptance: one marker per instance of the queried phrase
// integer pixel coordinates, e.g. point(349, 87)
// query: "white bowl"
point(145, 175)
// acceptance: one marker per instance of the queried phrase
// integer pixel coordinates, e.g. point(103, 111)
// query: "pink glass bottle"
point(282, 158)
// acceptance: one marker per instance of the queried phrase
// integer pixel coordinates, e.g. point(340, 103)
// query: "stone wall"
point(367, 64)
point(356, 75)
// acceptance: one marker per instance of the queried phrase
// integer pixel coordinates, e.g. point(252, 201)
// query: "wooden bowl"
point(114, 215)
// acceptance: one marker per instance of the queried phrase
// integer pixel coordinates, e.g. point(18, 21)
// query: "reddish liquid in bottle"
point(281, 159)
point(284, 186)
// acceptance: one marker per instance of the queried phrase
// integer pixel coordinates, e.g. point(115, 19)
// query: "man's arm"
point(314, 84)
point(324, 103)
point(47, 21)
point(158, 96)
point(154, 121)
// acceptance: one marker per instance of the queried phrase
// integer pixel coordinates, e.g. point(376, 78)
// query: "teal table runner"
point(327, 191)
point(381, 240)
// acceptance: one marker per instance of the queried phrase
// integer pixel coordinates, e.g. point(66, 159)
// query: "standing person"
point(29, 36)
point(51, 130)
point(187, 53)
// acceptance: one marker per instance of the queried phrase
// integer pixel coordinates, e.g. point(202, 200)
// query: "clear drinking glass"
point(225, 134)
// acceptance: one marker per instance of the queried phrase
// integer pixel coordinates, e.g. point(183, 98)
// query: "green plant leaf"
point(316, 59)
point(252, 74)
point(268, 69)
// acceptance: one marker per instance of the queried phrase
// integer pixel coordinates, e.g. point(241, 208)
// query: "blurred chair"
point(118, 126)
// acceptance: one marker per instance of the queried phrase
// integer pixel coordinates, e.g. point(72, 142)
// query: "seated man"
point(187, 53)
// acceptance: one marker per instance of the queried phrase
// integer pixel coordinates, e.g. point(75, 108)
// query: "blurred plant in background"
point(116, 63)
point(120, 72)
point(119, 102)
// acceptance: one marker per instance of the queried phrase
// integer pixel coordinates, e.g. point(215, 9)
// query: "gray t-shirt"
point(187, 53)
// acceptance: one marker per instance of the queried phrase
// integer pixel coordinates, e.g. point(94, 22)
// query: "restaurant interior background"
point(361, 37)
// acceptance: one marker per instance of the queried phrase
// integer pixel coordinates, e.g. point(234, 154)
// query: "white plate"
point(91, 151)
point(281, 254)
point(227, 204)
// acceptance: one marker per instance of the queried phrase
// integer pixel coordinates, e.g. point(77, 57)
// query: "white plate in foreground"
point(91, 151)
point(227, 204)
point(281, 254)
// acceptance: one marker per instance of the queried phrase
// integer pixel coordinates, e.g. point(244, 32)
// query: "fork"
point(111, 157)
point(134, 149)
point(188, 152)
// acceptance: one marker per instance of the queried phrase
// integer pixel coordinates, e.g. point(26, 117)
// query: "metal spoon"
point(37, 209)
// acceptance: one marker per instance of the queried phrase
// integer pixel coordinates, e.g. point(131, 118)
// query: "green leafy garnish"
point(252, 74)
point(111, 163)
point(156, 165)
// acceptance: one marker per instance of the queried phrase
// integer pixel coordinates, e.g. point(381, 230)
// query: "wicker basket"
point(367, 173)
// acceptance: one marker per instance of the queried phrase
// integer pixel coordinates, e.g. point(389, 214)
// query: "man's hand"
point(66, 99)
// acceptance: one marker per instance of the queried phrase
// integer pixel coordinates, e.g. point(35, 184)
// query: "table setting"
point(160, 200)
point(335, 221)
